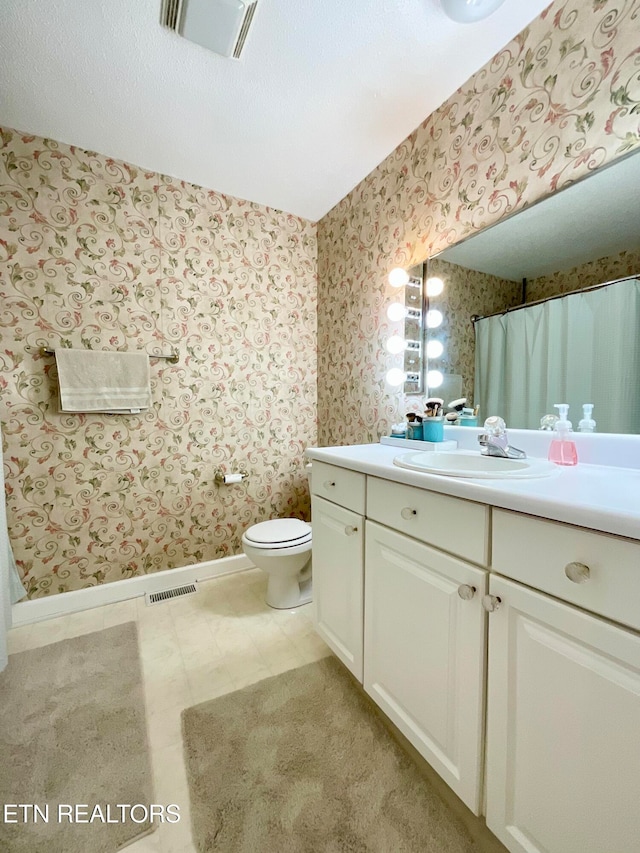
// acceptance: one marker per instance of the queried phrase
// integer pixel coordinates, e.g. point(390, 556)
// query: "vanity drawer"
point(338, 485)
point(452, 524)
point(539, 553)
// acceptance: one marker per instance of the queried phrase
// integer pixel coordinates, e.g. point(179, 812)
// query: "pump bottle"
point(562, 449)
point(587, 424)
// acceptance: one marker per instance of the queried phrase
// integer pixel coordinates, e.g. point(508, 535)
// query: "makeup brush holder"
point(415, 431)
point(433, 429)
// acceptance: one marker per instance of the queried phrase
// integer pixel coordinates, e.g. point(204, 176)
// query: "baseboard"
point(25, 612)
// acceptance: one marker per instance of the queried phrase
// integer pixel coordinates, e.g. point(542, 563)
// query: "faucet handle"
point(495, 426)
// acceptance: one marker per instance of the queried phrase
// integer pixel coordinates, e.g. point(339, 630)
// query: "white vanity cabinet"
point(505, 646)
point(563, 704)
point(424, 652)
point(337, 510)
point(424, 626)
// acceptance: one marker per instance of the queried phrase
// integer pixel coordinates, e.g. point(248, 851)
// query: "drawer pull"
point(577, 572)
point(407, 513)
point(466, 591)
point(329, 484)
point(491, 602)
point(350, 530)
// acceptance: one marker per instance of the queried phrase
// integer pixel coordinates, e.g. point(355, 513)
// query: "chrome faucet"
point(494, 441)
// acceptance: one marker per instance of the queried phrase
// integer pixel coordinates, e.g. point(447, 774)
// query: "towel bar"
point(172, 358)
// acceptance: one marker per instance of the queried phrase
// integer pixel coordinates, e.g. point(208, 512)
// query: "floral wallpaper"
point(561, 99)
point(99, 254)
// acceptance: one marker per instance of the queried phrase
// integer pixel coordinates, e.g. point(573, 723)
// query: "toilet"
point(282, 548)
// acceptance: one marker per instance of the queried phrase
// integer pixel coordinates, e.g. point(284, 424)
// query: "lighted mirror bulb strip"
point(434, 318)
point(434, 378)
point(435, 286)
point(396, 344)
point(396, 377)
point(398, 277)
point(396, 312)
point(434, 349)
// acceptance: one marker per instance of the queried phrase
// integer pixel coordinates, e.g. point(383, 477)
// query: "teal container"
point(433, 429)
point(467, 420)
point(414, 431)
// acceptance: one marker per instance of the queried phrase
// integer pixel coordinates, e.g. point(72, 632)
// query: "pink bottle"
point(562, 449)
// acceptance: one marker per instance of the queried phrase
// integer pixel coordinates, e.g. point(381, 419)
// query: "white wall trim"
point(26, 612)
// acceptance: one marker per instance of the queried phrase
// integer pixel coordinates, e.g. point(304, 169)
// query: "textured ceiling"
point(324, 91)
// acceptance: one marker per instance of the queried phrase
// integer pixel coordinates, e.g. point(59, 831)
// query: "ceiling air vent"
point(219, 25)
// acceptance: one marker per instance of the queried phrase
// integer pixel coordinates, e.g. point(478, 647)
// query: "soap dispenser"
point(562, 450)
point(587, 424)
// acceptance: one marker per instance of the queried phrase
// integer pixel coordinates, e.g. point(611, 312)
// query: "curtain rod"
point(476, 317)
point(172, 357)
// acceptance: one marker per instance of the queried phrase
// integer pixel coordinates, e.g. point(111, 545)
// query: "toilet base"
point(284, 593)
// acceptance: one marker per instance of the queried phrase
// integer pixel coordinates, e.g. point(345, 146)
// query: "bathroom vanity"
point(497, 624)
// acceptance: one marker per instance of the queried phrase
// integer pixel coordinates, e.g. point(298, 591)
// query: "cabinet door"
point(425, 652)
point(563, 734)
point(338, 536)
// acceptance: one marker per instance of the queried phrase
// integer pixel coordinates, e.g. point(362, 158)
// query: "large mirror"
point(518, 275)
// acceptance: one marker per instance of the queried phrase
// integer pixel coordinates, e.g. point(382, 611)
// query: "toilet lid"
point(279, 530)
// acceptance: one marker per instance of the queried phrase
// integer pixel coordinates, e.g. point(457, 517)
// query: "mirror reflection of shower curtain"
point(580, 348)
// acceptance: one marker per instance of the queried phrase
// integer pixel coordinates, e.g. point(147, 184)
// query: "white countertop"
point(600, 497)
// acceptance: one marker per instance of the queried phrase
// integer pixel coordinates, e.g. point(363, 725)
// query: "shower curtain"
point(11, 590)
point(580, 348)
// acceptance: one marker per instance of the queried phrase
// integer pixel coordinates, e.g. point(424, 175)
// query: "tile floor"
point(192, 649)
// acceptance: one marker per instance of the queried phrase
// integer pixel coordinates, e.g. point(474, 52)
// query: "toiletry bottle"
point(587, 424)
point(562, 450)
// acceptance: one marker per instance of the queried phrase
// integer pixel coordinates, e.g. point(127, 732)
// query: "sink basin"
point(469, 463)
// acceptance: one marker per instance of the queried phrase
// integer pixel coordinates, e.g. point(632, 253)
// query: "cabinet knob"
point(491, 602)
point(328, 484)
point(577, 572)
point(350, 530)
point(407, 513)
point(466, 591)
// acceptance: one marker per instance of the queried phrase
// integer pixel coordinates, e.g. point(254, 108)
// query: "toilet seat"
point(278, 533)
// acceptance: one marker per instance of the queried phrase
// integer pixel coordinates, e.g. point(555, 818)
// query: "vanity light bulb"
point(398, 277)
point(434, 349)
point(396, 311)
point(396, 377)
point(435, 286)
point(396, 344)
point(434, 378)
point(434, 318)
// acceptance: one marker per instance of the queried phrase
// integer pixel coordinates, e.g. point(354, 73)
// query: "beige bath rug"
point(301, 763)
point(72, 738)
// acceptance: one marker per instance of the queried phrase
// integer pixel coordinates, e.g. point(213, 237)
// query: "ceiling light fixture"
point(469, 11)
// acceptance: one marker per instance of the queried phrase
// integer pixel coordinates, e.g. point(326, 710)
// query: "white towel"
point(99, 381)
